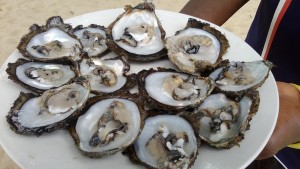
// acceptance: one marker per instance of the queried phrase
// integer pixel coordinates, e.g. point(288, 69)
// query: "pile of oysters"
point(79, 80)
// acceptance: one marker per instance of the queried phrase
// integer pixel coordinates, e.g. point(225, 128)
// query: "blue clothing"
point(277, 38)
point(284, 49)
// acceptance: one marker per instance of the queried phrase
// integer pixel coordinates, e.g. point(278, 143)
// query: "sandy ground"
point(16, 16)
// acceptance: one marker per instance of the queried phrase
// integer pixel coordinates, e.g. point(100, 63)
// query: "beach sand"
point(16, 16)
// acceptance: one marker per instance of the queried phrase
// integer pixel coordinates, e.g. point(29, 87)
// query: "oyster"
point(92, 38)
point(52, 110)
point(108, 124)
point(107, 74)
point(52, 41)
point(137, 33)
point(225, 120)
point(41, 76)
point(168, 89)
point(238, 77)
point(167, 141)
point(198, 47)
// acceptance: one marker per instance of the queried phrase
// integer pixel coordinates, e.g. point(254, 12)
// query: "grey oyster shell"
point(136, 37)
point(169, 89)
point(51, 41)
point(107, 73)
point(225, 119)
point(40, 76)
point(154, 147)
point(54, 109)
point(240, 77)
point(197, 48)
point(92, 38)
point(108, 124)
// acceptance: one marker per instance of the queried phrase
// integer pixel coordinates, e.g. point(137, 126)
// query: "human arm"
point(287, 128)
point(215, 11)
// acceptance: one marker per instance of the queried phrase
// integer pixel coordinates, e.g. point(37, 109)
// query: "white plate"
point(57, 150)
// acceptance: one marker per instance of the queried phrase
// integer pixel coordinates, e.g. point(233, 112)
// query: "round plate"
point(57, 149)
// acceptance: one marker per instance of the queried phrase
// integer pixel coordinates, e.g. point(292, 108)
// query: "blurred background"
point(16, 16)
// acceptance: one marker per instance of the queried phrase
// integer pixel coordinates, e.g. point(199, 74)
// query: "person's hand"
point(287, 129)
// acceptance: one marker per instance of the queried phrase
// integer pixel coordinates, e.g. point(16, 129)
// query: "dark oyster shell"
point(132, 56)
point(130, 79)
point(120, 95)
point(53, 22)
point(156, 104)
point(12, 68)
point(16, 126)
point(94, 26)
point(193, 119)
point(245, 124)
point(258, 81)
point(202, 65)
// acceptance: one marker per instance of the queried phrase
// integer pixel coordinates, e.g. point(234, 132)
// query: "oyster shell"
point(238, 77)
point(169, 89)
point(52, 110)
point(196, 48)
point(137, 33)
point(108, 124)
point(226, 119)
point(163, 143)
point(92, 38)
point(41, 76)
point(107, 74)
point(52, 41)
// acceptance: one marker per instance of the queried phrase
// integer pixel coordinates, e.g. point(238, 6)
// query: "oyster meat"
point(92, 38)
point(167, 141)
point(52, 41)
point(137, 33)
point(198, 47)
point(225, 120)
point(41, 76)
point(239, 77)
point(109, 124)
point(169, 89)
point(32, 114)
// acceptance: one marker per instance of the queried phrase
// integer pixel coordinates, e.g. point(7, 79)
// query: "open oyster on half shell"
point(239, 77)
point(107, 74)
point(167, 141)
point(52, 41)
point(108, 124)
point(226, 118)
point(196, 48)
point(137, 33)
point(41, 76)
point(92, 38)
point(35, 115)
point(169, 89)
